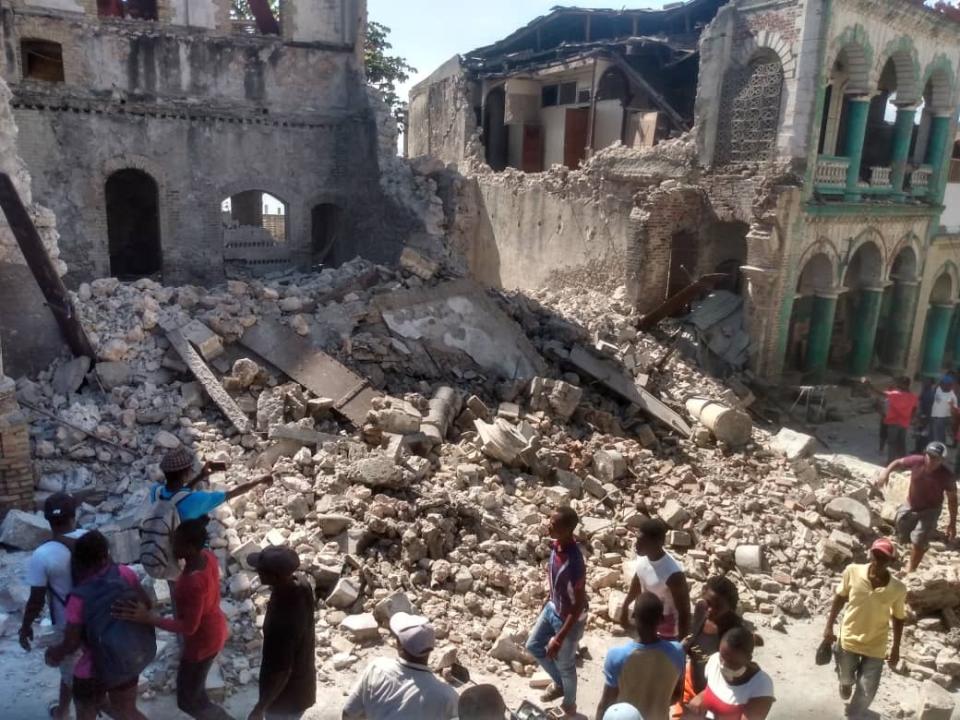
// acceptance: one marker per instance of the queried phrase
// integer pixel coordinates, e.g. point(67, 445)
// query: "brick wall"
point(16, 468)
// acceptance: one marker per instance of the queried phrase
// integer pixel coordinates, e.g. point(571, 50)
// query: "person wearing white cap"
point(403, 688)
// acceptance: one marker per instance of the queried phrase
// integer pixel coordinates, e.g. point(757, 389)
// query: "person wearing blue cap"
point(944, 405)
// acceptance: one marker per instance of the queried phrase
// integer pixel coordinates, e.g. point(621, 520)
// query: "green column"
point(902, 133)
point(821, 330)
point(936, 147)
point(869, 300)
point(858, 109)
point(935, 338)
point(903, 308)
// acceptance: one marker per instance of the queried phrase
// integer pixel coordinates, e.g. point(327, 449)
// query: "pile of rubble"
point(416, 459)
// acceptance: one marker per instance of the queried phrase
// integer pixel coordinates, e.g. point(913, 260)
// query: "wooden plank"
point(209, 381)
point(31, 245)
point(314, 369)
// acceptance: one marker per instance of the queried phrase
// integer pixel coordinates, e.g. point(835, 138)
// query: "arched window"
point(255, 232)
point(133, 224)
point(750, 110)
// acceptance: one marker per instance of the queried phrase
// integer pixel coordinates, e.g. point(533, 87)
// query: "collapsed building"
point(812, 175)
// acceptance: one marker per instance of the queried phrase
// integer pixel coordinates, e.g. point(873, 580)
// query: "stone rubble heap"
point(439, 501)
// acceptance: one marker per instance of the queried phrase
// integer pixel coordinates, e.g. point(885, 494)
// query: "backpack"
point(69, 543)
point(121, 650)
point(156, 536)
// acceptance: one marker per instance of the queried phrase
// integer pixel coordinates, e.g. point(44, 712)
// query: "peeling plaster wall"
point(441, 118)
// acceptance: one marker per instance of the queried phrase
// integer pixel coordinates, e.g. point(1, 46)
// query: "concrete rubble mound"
point(437, 501)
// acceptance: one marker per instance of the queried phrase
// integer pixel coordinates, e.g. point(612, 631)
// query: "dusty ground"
point(803, 689)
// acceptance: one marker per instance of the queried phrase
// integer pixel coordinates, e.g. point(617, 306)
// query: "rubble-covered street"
point(438, 499)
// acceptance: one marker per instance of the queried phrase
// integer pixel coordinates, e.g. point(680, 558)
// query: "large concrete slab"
point(459, 316)
point(312, 368)
point(209, 381)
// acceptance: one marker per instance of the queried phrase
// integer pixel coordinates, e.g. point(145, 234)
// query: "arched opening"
point(683, 261)
point(857, 314)
point(897, 311)
point(751, 105)
point(725, 251)
point(133, 9)
point(937, 328)
point(495, 135)
point(936, 101)
point(133, 224)
point(255, 232)
point(844, 79)
point(881, 124)
point(325, 225)
point(816, 277)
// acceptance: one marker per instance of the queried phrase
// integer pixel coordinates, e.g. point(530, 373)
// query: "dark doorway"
point(495, 135)
point(683, 261)
point(133, 224)
point(576, 125)
point(324, 232)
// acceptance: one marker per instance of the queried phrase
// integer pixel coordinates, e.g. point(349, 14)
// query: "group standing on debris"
point(685, 663)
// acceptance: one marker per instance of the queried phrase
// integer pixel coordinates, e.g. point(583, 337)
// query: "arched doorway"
point(683, 261)
point(858, 312)
point(325, 222)
point(939, 316)
point(256, 227)
point(495, 136)
point(725, 252)
point(811, 320)
point(133, 224)
point(897, 312)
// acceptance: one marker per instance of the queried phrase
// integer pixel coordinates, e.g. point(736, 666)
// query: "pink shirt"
point(74, 614)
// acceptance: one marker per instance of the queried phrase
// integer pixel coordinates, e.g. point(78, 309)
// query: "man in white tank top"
point(659, 573)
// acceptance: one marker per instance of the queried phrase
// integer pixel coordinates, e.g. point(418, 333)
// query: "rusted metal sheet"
point(209, 381)
point(609, 374)
point(675, 302)
point(312, 368)
point(40, 264)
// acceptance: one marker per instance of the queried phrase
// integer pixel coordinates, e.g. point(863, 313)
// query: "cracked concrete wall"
point(442, 122)
point(206, 115)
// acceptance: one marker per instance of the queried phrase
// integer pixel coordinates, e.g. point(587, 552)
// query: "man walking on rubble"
point(930, 481)
point(658, 572)
point(874, 601)
point(557, 632)
point(49, 573)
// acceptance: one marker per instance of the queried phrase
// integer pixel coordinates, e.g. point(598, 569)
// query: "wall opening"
point(325, 231)
point(495, 135)
point(255, 232)
point(133, 224)
point(881, 121)
point(683, 261)
point(863, 275)
point(42, 60)
point(256, 17)
point(724, 248)
point(133, 9)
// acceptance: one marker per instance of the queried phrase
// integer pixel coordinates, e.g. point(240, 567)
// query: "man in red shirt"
point(901, 406)
point(930, 480)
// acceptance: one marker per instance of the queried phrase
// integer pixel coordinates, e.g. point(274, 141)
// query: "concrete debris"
point(731, 426)
point(24, 531)
point(935, 703)
point(793, 444)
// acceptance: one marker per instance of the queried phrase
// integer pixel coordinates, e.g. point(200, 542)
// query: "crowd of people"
point(687, 661)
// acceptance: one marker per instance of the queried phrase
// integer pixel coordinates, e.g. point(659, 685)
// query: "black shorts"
point(91, 690)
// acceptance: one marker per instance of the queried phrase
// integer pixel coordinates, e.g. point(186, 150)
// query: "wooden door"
point(532, 152)
point(576, 124)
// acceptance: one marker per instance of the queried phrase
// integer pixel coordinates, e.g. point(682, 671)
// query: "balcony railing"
point(880, 178)
point(831, 173)
point(920, 179)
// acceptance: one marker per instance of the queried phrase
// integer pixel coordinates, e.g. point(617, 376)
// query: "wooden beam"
point(658, 99)
point(43, 269)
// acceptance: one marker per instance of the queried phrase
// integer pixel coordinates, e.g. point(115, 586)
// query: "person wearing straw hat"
point(403, 688)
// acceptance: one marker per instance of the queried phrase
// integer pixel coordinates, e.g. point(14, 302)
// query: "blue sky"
point(429, 32)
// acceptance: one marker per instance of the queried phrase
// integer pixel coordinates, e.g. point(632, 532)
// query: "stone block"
point(609, 465)
point(793, 444)
point(298, 507)
point(207, 342)
point(417, 263)
point(615, 604)
point(344, 595)
point(376, 471)
point(24, 531)
point(571, 482)
point(243, 552)
point(69, 377)
point(846, 508)
point(935, 703)
point(114, 374)
point(750, 558)
point(361, 628)
point(390, 606)
point(673, 514)
point(508, 650)
point(331, 524)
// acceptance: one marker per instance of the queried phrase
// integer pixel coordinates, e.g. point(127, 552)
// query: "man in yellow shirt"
point(874, 600)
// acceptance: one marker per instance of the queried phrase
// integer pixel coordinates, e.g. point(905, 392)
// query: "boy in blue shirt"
point(647, 614)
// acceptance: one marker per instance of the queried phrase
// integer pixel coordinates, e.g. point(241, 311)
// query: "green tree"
point(385, 71)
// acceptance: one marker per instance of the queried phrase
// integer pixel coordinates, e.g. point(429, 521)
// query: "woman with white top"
point(737, 689)
point(658, 572)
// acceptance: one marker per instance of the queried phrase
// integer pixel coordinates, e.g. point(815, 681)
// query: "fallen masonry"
point(435, 498)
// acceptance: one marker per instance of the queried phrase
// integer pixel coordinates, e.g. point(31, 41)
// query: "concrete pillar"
point(821, 331)
point(903, 132)
point(936, 147)
point(903, 309)
point(858, 111)
point(935, 338)
point(869, 300)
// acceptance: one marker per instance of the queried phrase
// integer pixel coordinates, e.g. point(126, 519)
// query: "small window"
point(568, 93)
point(550, 95)
point(583, 95)
point(42, 60)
